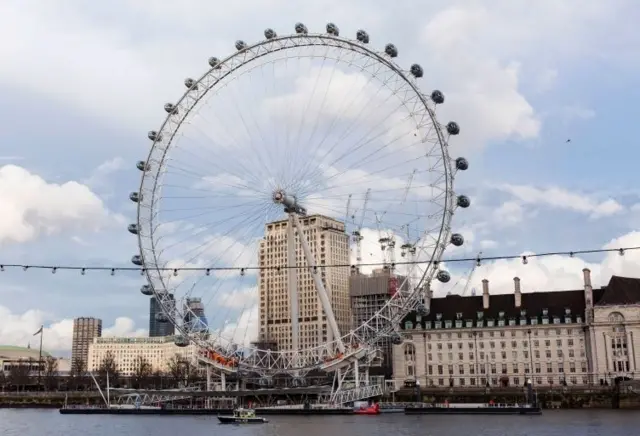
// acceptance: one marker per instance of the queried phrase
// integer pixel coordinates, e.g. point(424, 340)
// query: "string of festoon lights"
point(242, 270)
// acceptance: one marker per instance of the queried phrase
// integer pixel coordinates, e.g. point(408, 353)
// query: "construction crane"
point(357, 233)
point(470, 276)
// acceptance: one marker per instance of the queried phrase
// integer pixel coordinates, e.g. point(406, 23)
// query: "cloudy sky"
point(83, 82)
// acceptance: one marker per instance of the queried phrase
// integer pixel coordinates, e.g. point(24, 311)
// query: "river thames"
point(36, 422)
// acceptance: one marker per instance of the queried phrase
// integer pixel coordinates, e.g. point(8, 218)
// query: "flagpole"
point(40, 361)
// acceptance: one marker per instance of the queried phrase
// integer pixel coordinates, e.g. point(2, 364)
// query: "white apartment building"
point(156, 350)
point(574, 337)
point(329, 244)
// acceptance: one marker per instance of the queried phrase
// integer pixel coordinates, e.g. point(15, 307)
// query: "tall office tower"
point(329, 244)
point(84, 330)
point(369, 293)
point(193, 316)
point(159, 328)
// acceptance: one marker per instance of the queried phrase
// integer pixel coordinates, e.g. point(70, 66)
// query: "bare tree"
point(77, 374)
point(182, 371)
point(19, 374)
point(3, 379)
point(50, 372)
point(108, 366)
point(142, 371)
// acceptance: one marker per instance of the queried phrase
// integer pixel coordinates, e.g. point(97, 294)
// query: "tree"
point(142, 371)
point(50, 373)
point(182, 371)
point(77, 374)
point(19, 373)
point(3, 379)
point(108, 366)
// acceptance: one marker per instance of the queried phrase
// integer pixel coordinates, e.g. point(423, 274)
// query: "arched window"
point(409, 360)
point(619, 345)
point(616, 318)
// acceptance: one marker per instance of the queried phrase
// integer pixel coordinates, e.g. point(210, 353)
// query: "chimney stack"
point(587, 277)
point(518, 291)
point(485, 294)
point(588, 294)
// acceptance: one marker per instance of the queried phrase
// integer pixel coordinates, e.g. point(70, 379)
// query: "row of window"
point(504, 368)
point(448, 324)
point(560, 354)
point(514, 381)
point(503, 344)
point(503, 333)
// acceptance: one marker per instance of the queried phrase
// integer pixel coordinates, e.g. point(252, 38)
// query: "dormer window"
point(438, 316)
point(545, 312)
point(567, 311)
point(458, 323)
point(556, 320)
point(523, 321)
point(579, 319)
point(545, 320)
point(501, 323)
point(480, 315)
point(408, 325)
point(534, 321)
point(501, 314)
point(523, 312)
point(469, 323)
point(512, 322)
point(489, 323)
point(447, 324)
point(480, 323)
point(438, 324)
point(459, 315)
point(567, 319)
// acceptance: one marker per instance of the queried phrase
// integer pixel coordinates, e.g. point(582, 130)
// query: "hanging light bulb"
point(175, 272)
point(524, 260)
point(24, 268)
point(208, 272)
point(1, 267)
point(571, 254)
point(113, 271)
point(478, 262)
point(621, 252)
point(53, 270)
point(141, 271)
point(83, 271)
point(242, 273)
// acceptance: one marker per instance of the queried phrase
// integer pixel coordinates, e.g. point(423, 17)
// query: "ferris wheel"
point(289, 170)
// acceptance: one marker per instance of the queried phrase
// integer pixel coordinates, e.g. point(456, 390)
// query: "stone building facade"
point(577, 337)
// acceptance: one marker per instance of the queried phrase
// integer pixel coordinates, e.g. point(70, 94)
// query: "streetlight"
point(530, 355)
point(475, 358)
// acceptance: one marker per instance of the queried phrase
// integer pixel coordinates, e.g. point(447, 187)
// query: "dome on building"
point(11, 352)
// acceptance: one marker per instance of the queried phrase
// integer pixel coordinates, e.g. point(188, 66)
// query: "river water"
point(36, 422)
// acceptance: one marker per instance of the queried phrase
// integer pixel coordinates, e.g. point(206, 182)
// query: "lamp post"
point(475, 358)
point(530, 356)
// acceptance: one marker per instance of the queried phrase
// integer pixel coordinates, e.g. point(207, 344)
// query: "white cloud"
point(18, 329)
point(560, 198)
point(100, 176)
point(32, 207)
point(244, 330)
point(554, 273)
point(509, 213)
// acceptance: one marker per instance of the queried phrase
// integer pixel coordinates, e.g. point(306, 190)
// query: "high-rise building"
point(329, 244)
point(194, 317)
point(369, 293)
point(84, 330)
point(157, 328)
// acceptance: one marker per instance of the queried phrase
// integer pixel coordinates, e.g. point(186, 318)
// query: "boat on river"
point(242, 416)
